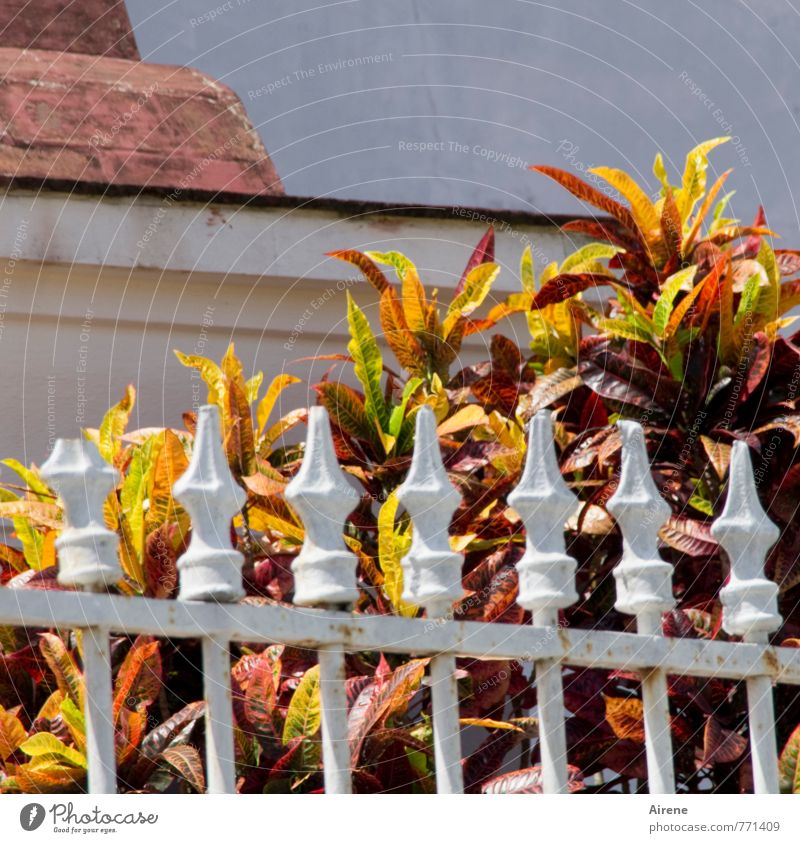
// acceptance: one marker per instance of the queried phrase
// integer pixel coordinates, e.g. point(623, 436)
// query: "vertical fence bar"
point(446, 727)
point(211, 571)
point(333, 698)
point(220, 758)
point(546, 583)
point(550, 704)
point(87, 559)
point(750, 603)
point(644, 589)
point(98, 711)
point(325, 575)
point(432, 579)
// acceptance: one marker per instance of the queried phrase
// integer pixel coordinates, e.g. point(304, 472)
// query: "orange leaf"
point(587, 193)
point(625, 715)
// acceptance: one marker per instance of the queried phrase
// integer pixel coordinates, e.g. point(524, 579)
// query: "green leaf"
point(134, 492)
point(669, 291)
point(702, 504)
point(31, 479)
point(589, 253)
point(75, 722)
point(747, 303)
point(32, 542)
point(44, 744)
point(476, 287)
point(114, 423)
point(398, 413)
point(625, 328)
point(368, 364)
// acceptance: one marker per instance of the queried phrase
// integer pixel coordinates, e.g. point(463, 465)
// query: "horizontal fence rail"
point(325, 578)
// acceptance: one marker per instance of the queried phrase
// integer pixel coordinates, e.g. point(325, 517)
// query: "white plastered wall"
point(95, 293)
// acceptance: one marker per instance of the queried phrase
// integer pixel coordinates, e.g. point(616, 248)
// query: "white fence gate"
point(210, 585)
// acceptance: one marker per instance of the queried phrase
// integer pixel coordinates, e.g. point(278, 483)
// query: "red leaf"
point(613, 387)
point(529, 780)
point(609, 230)
point(488, 757)
point(160, 562)
point(371, 271)
point(259, 699)
point(285, 763)
point(688, 536)
point(483, 253)
point(506, 356)
point(186, 762)
point(138, 681)
point(562, 287)
point(377, 701)
point(788, 261)
point(720, 745)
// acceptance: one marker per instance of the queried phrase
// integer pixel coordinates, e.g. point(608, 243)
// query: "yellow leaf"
point(232, 367)
point(489, 724)
point(694, 176)
point(303, 717)
point(458, 544)
point(47, 744)
point(466, 417)
point(113, 425)
point(12, 734)
point(267, 403)
point(392, 547)
point(52, 705)
point(170, 463)
point(644, 211)
point(38, 513)
point(476, 287)
point(412, 293)
point(214, 378)
point(290, 420)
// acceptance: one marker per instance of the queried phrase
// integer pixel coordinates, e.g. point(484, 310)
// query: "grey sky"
point(345, 92)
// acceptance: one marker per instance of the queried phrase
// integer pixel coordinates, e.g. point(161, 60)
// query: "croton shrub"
point(691, 337)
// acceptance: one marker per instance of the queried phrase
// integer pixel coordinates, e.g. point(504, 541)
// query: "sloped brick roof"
point(95, 27)
point(76, 119)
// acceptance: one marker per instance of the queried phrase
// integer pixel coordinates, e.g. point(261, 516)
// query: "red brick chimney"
point(80, 110)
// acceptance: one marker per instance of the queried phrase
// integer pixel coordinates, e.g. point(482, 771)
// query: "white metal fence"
point(325, 575)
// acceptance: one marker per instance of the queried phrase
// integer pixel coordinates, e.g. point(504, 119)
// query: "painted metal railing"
point(325, 586)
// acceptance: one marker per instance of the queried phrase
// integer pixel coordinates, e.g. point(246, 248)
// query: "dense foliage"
point(672, 315)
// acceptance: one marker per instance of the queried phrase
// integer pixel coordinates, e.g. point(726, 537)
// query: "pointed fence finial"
point(644, 580)
point(749, 600)
point(543, 501)
point(210, 569)
point(431, 570)
point(325, 570)
point(87, 549)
